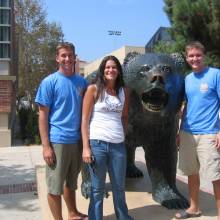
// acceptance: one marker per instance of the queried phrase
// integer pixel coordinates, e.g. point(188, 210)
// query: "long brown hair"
point(100, 81)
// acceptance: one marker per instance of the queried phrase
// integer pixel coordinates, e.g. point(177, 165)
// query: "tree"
point(37, 40)
point(196, 20)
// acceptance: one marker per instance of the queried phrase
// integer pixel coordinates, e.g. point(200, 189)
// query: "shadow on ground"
point(150, 210)
point(23, 198)
point(138, 196)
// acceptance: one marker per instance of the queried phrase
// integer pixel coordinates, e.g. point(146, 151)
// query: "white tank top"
point(106, 123)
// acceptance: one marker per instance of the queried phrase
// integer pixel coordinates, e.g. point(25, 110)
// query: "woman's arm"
point(88, 103)
point(125, 110)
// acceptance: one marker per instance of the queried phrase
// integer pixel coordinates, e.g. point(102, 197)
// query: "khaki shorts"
point(66, 170)
point(198, 153)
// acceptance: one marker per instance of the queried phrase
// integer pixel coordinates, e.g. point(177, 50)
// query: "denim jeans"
point(112, 158)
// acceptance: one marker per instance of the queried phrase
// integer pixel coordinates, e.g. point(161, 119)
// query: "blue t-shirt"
point(63, 96)
point(202, 90)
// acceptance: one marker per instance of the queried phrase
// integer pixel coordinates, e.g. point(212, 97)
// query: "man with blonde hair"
point(200, 129)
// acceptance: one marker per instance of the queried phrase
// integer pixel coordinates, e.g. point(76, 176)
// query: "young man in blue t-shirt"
point(60, 99)
point(199, 149)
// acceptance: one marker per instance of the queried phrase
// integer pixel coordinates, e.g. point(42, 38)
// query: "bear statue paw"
point(170, 198)
point(133, 172)
point(86, 189)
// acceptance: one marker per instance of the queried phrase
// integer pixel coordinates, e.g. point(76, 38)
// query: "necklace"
point(111, 91)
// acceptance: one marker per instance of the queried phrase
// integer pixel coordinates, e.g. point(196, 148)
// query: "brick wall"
point(6, 96)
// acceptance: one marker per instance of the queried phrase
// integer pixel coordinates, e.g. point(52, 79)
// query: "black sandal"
point(184, 215)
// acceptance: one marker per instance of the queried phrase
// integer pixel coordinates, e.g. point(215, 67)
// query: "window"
point(5, 16)
point(5, 3)
point(4, 50)
point(4, 33)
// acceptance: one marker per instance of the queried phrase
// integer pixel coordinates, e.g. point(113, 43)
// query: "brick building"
point(79, 66)
point(7, 79)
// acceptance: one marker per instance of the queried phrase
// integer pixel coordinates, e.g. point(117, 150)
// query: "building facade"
point(161, 35)
point(7, 79)
point(79, 66)
point(120, 54)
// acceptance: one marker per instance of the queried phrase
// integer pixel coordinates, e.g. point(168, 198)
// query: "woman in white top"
point(104, 122)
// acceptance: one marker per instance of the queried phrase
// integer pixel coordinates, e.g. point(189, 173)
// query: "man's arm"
point(217, 140)
point(48, 152)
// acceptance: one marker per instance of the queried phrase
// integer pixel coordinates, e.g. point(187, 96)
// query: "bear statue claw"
point(170, 199)
point(133, 172)
point(175, 204)
point(86, 189)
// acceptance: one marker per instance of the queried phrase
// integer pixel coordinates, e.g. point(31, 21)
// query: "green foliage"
point(164, 47)
point(37, 40)
point(196, 20)
point(23, 118)
point(32, 127)
point(213, 59)
point(28, 119)
point(171, 49)
point(168, 8)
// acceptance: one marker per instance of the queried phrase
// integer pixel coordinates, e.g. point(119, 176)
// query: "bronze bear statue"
point(156, 92)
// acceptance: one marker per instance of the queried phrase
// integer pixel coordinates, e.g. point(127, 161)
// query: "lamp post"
point(114, 33)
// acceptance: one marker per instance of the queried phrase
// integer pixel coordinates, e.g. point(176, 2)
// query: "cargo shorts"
point(66, 169)
point(197, 153)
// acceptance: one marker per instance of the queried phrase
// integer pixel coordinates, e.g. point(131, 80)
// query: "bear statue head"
point(156, 79)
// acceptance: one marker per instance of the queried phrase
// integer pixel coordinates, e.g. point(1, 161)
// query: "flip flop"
point(79, 218)
point(184, 215)
point(83, 217)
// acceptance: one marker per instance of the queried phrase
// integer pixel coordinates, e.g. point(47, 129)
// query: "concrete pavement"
point(18, 192)
point(22, 175)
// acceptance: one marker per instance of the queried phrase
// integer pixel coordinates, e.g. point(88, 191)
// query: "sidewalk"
point(18, 192)
point(22, 172)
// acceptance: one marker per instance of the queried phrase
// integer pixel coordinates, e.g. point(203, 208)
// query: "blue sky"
point(86, 23)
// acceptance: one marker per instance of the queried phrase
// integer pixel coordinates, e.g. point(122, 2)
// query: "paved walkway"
point(18, 193)
point(22, 172)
